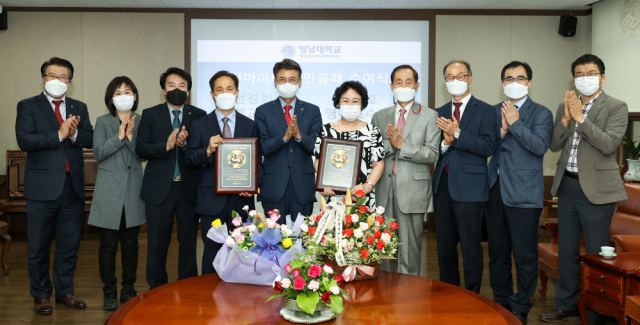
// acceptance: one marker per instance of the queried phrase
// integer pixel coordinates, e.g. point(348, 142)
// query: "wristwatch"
point(372, 186)
point(457, 134)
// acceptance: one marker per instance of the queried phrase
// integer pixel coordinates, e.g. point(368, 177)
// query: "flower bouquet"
point(310, 290)
point(257, 250)
point(351, 236)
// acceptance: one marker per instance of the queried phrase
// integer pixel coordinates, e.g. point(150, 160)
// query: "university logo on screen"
point(311, 51)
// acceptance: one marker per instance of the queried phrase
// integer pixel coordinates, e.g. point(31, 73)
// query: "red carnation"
point(270, 212)
point(360, 193)
point(380, 245)
point(339, 278)
point(377, 235)
point(347, 218)
point(386, 231)
point(394, 226)
point(380, 220)
point(363, 209)
point(325, 297)
point(312, 230)
point(277, 287)
point(369, 240)
point(318, 218)
point(348, 232)
point(365, 253)
point(329, 265)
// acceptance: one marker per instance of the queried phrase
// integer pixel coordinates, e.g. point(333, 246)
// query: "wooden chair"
point(6, 244)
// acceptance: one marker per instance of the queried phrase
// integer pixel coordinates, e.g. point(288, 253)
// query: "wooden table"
point(392, 298)
point(606, 283)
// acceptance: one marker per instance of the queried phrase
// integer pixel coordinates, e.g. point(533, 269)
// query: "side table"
point(606, 283)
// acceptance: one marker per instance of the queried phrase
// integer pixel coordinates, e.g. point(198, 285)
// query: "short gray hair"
point(444, 71)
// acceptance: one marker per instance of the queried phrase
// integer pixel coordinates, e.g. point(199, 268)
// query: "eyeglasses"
point(590, 76)
point(460, 77)
point(62, 78)
point(509, 80)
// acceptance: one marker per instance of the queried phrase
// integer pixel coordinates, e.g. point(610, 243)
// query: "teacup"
point(607, 250)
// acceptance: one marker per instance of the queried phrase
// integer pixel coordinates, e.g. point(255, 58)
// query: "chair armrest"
point(549, 226)
point(627, 243)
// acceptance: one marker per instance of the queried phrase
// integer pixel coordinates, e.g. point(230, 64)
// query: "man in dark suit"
point(517, 190)
point(205, 137)
point(169, 187)
point(288, 129)
point(53, 129)
point(470, 131)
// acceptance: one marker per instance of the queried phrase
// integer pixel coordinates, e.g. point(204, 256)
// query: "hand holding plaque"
point(236, 165)
point(338, 165)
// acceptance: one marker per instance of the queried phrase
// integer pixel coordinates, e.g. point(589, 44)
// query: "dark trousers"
point(288, 205)
point(44, 218)
point(159, 227)
point(458, 222)
point(576, 216)
point(512, 229)
point(109, 238)
point(211, 248)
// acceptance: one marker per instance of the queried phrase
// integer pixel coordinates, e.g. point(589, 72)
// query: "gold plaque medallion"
point(236, 159)
point(340, 159)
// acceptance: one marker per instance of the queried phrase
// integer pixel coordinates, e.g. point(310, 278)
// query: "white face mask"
point(456, 87)
point(226, 101)
point(287, 90)
point(56, 88)
point(124, 103)
point(350, 113)
point(404, 94)
point(515, 90)
point(588, 86)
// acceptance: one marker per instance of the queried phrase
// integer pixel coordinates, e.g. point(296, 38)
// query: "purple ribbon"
point(273, 251)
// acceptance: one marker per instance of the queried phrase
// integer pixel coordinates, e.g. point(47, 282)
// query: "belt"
point(178, 179)
point(571, 175)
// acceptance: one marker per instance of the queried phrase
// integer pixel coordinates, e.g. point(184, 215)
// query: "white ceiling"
point(309, 4)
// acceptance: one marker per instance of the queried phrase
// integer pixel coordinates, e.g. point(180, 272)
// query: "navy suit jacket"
point(284, 160)
point(519, 156)
point(151, 144)
point(467, 155)
point(37, 133)
point(209, 203)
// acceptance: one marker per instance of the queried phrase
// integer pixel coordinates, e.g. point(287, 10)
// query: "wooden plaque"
point(339, 164)
point(237, 166)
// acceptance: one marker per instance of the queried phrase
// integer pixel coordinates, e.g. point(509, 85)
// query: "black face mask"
point(176, 97)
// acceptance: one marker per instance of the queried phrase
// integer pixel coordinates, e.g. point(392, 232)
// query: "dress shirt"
point(231, 122)
point(406, 113)
point(464, 102)
point(171, 109)
point(63, 113)
point(291, 111)
point(572, 163)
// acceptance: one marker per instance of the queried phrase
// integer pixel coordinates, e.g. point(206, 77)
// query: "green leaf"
point(361, 201)
point(325, 283)
point(332, 283)
point(336, 304)
point(296, 264)
point(234, 214)
point(275, 295)
point(344, 292)
point(309, 302)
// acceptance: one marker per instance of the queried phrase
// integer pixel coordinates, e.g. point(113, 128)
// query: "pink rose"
point(287, 268)
point(295, 273)
point(298, 283)
point(314, 271)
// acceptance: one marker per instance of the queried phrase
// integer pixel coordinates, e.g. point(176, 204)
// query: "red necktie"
point(60, 121)
point(287, 116)
point(456, 113)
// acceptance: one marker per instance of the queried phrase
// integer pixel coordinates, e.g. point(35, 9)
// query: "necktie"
point(401, 122)
point(456, 112)
point(176, 125)
point(60, 121)
point(287, 116)
point(226, 132)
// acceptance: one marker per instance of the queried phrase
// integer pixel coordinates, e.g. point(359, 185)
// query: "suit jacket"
point(210, 203)
point(420, 141)
point(155, 127)
point(119, 176)
point(519, 156)
point(467, 155)
point(284, 160)
point(600, 134)
point(37, 133)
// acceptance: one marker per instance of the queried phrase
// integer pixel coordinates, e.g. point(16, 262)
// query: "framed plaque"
point(237, 166)
point(339, 164)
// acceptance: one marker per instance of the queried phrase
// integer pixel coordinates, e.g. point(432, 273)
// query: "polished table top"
point(623, 263)
point(392, 298)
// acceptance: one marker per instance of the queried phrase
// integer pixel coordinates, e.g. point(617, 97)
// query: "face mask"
point(350, 113)
point(456, 87)
point(404, 94)
point(123, 103)
point(515, 90)
point(287, 90)
point(55, 88)
point(226, 101)
point(177, 97)
point(588, 86)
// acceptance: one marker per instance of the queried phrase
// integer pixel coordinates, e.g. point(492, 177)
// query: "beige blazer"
point(600, 134)
point(420, 141)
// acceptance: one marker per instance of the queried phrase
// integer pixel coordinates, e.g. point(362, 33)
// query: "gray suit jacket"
point(519, 156)
point(119, 176)
point(601, 134)
point(420, 140)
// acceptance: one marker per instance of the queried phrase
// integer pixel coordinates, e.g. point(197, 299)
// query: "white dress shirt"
point(464, 102)
point(231, 122)
point(63, 113)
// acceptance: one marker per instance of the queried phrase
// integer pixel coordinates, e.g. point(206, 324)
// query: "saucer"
point(608, 256)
